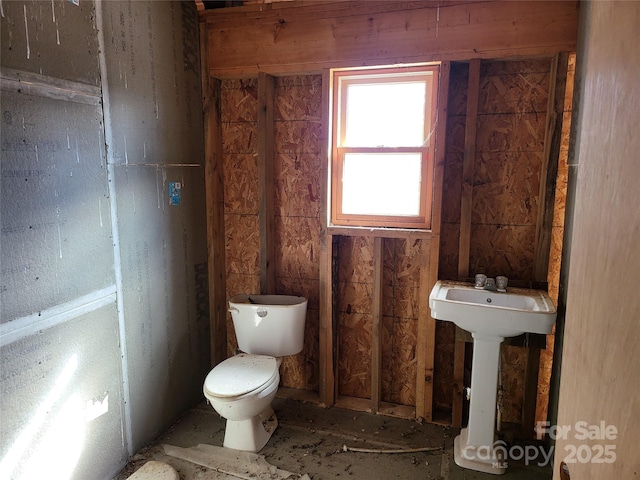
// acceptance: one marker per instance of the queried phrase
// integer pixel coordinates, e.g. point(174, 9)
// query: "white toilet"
point(241, 389)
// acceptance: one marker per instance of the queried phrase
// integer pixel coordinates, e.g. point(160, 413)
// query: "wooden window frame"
point(344, 77)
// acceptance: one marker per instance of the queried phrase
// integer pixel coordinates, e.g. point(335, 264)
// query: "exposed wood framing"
point(290, 37)
point(429, 276)
point(473, 90)
point(266, 182)
point(326, 349)
point(549, 171)
point(376, 327)
point(214, 188)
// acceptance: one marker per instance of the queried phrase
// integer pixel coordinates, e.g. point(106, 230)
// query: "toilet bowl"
point(242, 387)
point(241, 390)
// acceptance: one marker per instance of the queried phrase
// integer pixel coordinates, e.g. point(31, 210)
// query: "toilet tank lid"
point(240, 374)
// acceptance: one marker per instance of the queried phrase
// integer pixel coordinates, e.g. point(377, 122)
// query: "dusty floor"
point(310, 439)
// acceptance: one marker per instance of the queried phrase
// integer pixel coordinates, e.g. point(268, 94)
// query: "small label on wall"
point(175, 191)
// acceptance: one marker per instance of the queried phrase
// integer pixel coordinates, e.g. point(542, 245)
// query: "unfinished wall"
point(103, 339)
point(508, 168)
point(296, 103)
point(286, 38)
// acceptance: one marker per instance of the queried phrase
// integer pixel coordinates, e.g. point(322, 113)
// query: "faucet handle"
point(481, 279)
point(501, 283)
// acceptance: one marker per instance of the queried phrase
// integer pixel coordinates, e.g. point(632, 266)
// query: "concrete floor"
point(310, 440)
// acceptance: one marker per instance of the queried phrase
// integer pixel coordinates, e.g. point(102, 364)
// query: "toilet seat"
point(240, 375)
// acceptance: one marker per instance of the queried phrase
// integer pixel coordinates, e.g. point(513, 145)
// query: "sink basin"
point(498, 314)
point(490, 317)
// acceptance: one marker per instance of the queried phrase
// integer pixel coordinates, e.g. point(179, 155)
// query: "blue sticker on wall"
point(175, 190)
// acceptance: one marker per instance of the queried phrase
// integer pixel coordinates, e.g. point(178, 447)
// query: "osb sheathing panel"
point(502, 250)
point(238, 112)
point(239, 102)
point(505, 132)
point(448, 259)
point(399, 340)
point(297, 247)
point(354, 355)
point(506, 187)
point(452, 188)
point(355, 294)
point(297, 225)
point(402, 261)
point(514, 364)
point(240, 184)
point(443, 365)
point(298, 185)
point(299, 98)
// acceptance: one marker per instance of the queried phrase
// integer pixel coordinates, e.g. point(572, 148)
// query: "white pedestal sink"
point(490, 317)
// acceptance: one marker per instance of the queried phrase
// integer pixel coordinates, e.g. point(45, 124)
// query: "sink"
point(490, 317)
point(507, 314)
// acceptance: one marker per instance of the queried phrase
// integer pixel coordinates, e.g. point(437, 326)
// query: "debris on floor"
point(154, 470)
point(235, 463)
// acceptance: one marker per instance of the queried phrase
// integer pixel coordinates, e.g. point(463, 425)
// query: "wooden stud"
point(376, 326)
point(214, 200)
point(327, 374)
point(467, 168)
point(549, 170)
point(425, 348)
point(266, 155)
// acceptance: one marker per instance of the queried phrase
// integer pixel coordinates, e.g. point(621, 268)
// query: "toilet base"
point(251, 435)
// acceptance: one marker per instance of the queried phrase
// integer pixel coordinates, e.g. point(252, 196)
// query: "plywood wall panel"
point(356, 259)
point(506, 186)
point(299, 98)
point(298, 247)
point(399, 360)
point(298, 137)
point(239, 137)
point(242, 243)
point(514, 364)
point(449, 241)
point(239, 101)
point(510, 132)
point(502, 250)
point(443, 365)
point(452, 189)
point(298, 185)
point(354, 355)
point(241, 184)
point(516, 93)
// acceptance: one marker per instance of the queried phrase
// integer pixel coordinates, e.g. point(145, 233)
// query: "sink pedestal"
point(474, 447)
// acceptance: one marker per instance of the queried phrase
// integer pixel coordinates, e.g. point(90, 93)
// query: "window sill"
point(382, 232)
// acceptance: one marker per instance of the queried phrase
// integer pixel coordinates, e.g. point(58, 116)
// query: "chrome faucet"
point(490, 284)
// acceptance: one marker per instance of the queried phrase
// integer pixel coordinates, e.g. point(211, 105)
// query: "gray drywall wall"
point(104, 319)
point(155, 140)
point(163, 254)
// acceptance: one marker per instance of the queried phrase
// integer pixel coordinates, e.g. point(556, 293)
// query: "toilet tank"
point(269, 324)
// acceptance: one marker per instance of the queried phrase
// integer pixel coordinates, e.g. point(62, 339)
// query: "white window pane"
point(389, 115)
point(381, 184)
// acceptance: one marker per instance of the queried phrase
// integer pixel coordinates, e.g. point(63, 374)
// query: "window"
point(382, 146)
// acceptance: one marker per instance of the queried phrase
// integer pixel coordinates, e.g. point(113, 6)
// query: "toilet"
point(241, 388)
